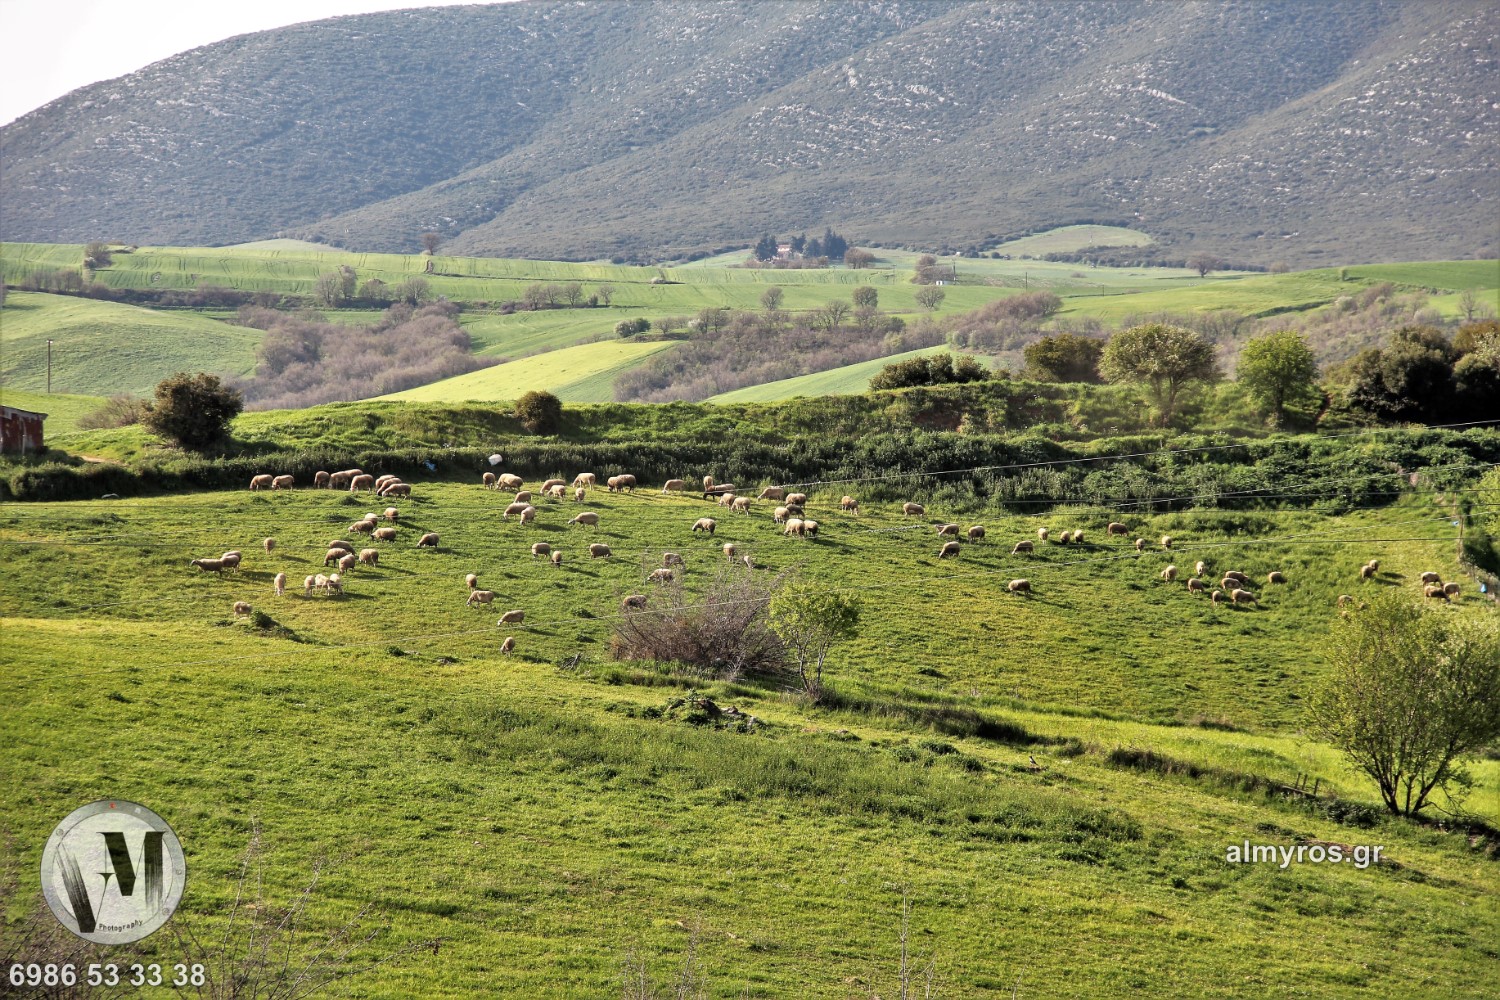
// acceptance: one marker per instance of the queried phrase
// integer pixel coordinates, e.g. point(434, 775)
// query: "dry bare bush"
point(723, 631)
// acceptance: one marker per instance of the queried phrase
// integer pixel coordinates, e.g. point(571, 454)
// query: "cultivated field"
point(581, 374)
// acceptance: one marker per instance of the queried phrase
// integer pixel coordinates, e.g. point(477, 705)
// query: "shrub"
point(723, 632)
point(118, 411)
point(193, 410)
point(539, 412)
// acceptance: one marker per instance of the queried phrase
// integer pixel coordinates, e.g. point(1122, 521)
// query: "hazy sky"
point(56, 46)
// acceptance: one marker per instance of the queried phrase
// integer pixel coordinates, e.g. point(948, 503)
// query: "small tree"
point(1278, 369)
point(534, 296)
point(858, 259)
point(539, 412)
point(631, 327)
point(866, 297)
point(573, 293)
point(430, 242)
point(605, 293)
point(1165, 359)
point(835, 310)
point(930, 297)
point(413, 290)
point(1412, 691)
point(771, 298)
point(97, 255)
point(926, 270)
point(810, 619)
point(1203, 263)
point(765, 248)
point(329, 289)
point(193, 410)
point(1064, 357)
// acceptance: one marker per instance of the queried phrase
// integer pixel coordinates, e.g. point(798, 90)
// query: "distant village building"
point(783, 251)
point(20, 430)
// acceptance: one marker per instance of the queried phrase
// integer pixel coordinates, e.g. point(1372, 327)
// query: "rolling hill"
point(1279, 131)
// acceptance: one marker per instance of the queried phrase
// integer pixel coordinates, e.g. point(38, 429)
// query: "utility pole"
point(49, 367)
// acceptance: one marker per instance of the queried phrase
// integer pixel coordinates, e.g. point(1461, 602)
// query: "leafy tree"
point(938, 369)
point(430, 242)
point(799, 243)
point(858, 259)
point(833, 246)
point(1473, 336)
point(413, 291)
point(374, 290)
point(1278, 369)
point(1476, 381)
point(1165, 359)
point(931, 297)
point(192, 410)
point(866, 297)
point(96, 255)
point(765, 248)
point(631, 327)
point(1412, 691)
point(809, 619)
point(771, 298)
point(835, 310)
point(539, 412)
point(1064, 357)
point(1203, 263)
point(926, 270)
point(1409, 378)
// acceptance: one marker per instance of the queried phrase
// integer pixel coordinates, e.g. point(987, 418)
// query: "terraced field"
point(581, 374)
point(837, 381)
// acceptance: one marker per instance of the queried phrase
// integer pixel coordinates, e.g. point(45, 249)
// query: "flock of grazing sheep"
point(1234, 587)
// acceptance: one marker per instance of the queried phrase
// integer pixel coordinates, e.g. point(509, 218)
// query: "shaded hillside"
point(1271, 131)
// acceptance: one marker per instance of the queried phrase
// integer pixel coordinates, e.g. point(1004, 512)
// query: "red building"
point(20, 430)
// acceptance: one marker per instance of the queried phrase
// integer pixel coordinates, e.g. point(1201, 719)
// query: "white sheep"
point(780, 514)
point(348, 562)
point(793, 499)
point(362, 527)
point(512, 618)
point(588, 517)
point(1116, 528)
point(1166, 541)
point(509, 481)
point(339, 543)
point(1200, 568)
point(947, 530)
point(369, 557)
point(428, 541)
point(1196, 586)
point(619, 484)
point(1065, 538)
point(321, 480)
point(472, 579)
point(810, 529)
point(522, 497)
point(1451, 589)
point(596, 551)
point(741, 504)
point(396, 490)
point(1041, 534)
point(554, 482)
point(241, 608)
point(514, 508)
point(1434, 591)
point(540, 549)
point(278, 585)
point(1367, 572)
point(1140, 545)
point(707, 524)
point(528, 516)
point(268, 544)
point(708, 484)
point(729, 551)
point(334, 584)
point(584, 480)
point(674, 486)
point(488, 479)
point(1024, 545)
point(748, 561)
point(262, 481)
point(662, 576)
point(1078, 536)
point(1239, 596)
point(1345, 599)
point(362, 482)
point(392, 514)
point(334, 555)
point(775, 493)
point(909, 509)
point(949, 550)
point(509, 644)
point(1276, 576)
point(480, 597)
point(1169, 574)
point(579, 494)
point(976, 533)
point(557, 559)
point(1217, 597)
point(1019, 586)
point(231, 560)
point(1430, 577)
point(850, 504)
point(308, 585)
point(793, 527)
point(384, 534)
point(557, 492)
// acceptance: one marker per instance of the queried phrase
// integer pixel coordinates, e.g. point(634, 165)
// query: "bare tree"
point(771, 298)
point(430, 242)
point(605, 293)
point(931, 297)
point(1203, 263)
point(572, 293)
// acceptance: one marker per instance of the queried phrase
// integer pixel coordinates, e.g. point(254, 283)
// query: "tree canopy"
point(193, 410)
point(1164, 359)
point(1278, 369)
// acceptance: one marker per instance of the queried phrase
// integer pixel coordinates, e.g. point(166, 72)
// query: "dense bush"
point(192, 410)
point(539, 412)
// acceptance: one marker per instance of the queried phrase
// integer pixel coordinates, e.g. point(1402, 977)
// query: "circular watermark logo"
point(113, 872)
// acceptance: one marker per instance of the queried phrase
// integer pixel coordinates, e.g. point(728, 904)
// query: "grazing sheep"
point(428, 541)
point(718, 489)
point(282, 483)
point(1169, 574)
point(708, 484)
point(1078, 536)
point(1236, 576)
point(619, 484)
point(335, 584)
point(509, 644)
point(949, 550)
point(340, 480)
point(976, 533)
point(1230, 582)
point(362, 482)
point(488, 479)
point(947, 530)
point(584, 480)
point(1276, 576)
point(672, 559)
point(540, 549)
point(514, 508)
point(780, 514)
point(579, 494)
point(849, 504)
point(793, 499)
point(729, 550)
point(1200, 568)
point(726, 499)
point(793, 527)
point(794, 509)
point(910, 509)
point(397, 490)
point(662, 576)
point(348, 562)
point(384, 478)
point(278, 585)
point(480, 597)
point(320, 480)
point(707, 524)
point(230, 560)
point(1374, 564)
point(1432, 590)
point(308, 585)
point(1024, 545)
point(1430, 577)
point(208, 565)
point(547, 484)
point(472, 579)
point(261, 482)
point(509, 481)
point(1116, 528)
point(741, 504)
point(512, 618)
point(588, 517)
point(1451, 589)
point(1065, 538)
point(1166, 541)
point(384, 534)
point(775, 493)
point(1140, 545)
point(392, 514)
point(633, 602)
point(1366, 572)
point(528, 516)
point(1217, 597)
point(523, 497)
point(268, 544)
point(810, 529)
point(596, 551)
point(334, 555)
point(557, 492)
point(1019, 586)
point(1345, 599)
point(1196, 586)
point(1239, 596)
point(556, 559)
point(749, 562)
point(339, 543)
point(674, 486)
point(241, 608)
point(1041, 534)
point(362, 527)
point(320, 582)
point(369, 557)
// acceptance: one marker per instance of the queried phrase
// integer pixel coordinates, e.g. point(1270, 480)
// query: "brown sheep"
point(278, 585)
point(976, 533)
point(540, 549)
point(480, 597)
point(1366, 572)
point(1041, 534)
point(362, 527)
point(912, 510)
point(849, 504)
point(396, 490)
point(523, 497)
point(1239, 596)
point(662, 576)
point(339, 543)
point(1078, 536)
point(1430, 577)
point(780, 514)
point(619, 484)
point(1116, 528)
point(949, 550)
point(261, 482)
point(674, 486)
point(1451, 589)
point(282, 483)
point(1217, 597)
point(774, 493)
point(596, 551)
point(1432, 590)
point(1345, 599)
point(579, 494)
point(241, 608)
point(947, 530)
point(707, 524)
point(1024, 545)
point(1019, 586)
point(509, 644)
point(488, 479)
point(369, 557)
point(548, 484)
point(320, 480)
point(672, 559)
point(633, 602)
point(1169, 574)
point(268, 544)
point(588, 517)
point(512, 618)
point(1276, 576)
point(428, 541)
point(810, 529)
point(384, 534)
point(392, 514)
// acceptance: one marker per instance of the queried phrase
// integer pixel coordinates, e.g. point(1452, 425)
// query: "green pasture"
point(581, 374)
point(103, 348)
point(836, 381)
point(63, 410)
point(1067, 239)
point(540, 816)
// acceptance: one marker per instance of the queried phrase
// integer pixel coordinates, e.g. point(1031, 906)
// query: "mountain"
point(1263, 132)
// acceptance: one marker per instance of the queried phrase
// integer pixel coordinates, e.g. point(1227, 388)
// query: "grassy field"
point(582, 374)
point(63, 410)
point(548, 812)
point(103, 348)
point(848, 379)
point(1069, 238)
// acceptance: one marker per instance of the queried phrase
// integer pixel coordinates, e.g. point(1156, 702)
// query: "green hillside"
point(581, 374)
point(838, 381)
point(103, 348)
point(1066, 239)
point(63, 410)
